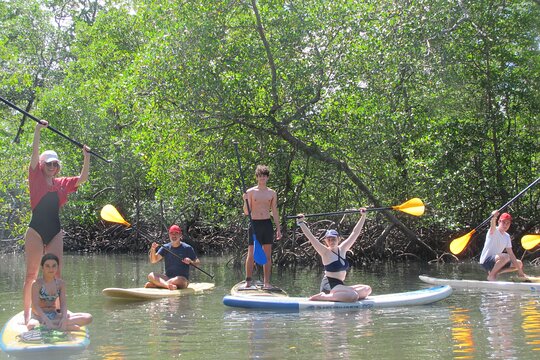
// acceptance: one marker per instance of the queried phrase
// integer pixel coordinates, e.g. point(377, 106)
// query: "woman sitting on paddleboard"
point(49, 305)
point(335, 263)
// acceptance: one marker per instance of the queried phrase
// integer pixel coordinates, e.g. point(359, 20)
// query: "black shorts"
point(328, 283)
point(489, 263)
point(264, 230)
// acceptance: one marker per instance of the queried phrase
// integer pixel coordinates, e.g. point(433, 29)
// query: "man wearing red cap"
point(493, 257)
point(178, 256)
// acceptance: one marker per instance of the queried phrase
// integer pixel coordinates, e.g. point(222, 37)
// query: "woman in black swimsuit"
point(333, 256)
point(47, 195)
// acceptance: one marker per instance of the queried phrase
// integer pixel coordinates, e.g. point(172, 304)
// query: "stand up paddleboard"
point(284, 303)
point(483, 284)
point(155, 293)
point(16, 340)
point(256, 289)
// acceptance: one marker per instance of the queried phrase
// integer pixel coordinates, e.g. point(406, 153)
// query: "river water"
point(467, 325)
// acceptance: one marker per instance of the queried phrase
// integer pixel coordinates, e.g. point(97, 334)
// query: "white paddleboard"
point(483, 284)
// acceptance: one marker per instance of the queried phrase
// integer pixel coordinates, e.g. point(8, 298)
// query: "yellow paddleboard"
point(16, 340)
point(155, 293)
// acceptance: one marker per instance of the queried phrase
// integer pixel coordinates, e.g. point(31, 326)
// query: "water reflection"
point(338, 328)
point(331, 333)
point(462, 333)
point(462, 326)
point(497, 309)
point(531, 323)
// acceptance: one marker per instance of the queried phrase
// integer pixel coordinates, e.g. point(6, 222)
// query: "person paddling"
point(48, 193)
point(334, 259)
point(178, 256)
point(497, 255)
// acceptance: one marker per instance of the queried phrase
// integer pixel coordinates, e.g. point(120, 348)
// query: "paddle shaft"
point(505, 205)
point(9, 103)
point(243, 183)
point(344, 212)
point(195, 266)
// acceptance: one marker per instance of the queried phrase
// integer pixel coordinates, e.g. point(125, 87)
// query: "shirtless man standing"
point(262, 202)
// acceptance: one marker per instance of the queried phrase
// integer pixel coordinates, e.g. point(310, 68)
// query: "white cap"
point(49, 156)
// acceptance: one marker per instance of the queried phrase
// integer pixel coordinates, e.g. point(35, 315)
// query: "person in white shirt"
point(497, 256)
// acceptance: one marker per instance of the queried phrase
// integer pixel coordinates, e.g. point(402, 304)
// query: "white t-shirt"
point(495, 244)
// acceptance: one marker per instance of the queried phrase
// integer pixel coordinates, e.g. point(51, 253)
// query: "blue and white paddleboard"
point(418, 297)
point(17, 341)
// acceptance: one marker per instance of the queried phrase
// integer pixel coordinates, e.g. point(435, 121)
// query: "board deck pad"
point(256, 289)
point(155, 293)
point(16, 340)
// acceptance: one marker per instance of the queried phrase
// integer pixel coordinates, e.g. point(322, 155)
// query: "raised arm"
point(85, 171)
point(320, 248)
point(34, 161)
point(493, 222)
point(347, 243)
point(153, 256)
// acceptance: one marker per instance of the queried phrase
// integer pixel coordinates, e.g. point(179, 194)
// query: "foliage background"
point(350, 103)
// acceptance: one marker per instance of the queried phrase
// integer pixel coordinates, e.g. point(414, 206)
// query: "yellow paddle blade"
point(109, 213)
point(457, 245)
point(530, 241)
point(414, 207)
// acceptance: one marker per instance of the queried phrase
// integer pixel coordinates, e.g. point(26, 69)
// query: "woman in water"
point(334, 259)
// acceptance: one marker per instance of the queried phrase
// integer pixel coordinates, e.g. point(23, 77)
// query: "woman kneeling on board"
point(333, 256)
point(49, 305)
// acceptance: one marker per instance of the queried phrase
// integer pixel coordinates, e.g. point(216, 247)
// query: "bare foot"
point(318, 297)
point(491, 278)
point(172, 287)
point(149, 285)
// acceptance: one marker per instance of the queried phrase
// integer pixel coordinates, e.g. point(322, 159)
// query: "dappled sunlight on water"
point(462, 334)
point(530, 311)
point(469, 324)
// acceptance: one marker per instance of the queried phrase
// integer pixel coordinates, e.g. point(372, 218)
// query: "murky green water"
point(469, 324)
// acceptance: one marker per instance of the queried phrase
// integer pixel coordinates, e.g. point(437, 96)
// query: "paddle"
point(258, 252)
point(530, 241)
point(109, 213)
point(51, 128)
point(414, 207)
point(459, 244)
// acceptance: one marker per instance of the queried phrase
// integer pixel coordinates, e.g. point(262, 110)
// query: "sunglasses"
point(52, 164)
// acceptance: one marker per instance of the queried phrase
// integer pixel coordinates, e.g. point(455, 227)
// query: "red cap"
point(505, 216)
point(175, 229)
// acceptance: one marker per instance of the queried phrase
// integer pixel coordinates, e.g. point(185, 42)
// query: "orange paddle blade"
point(457, 245)
point(530, 241)
point(414, 207)
point(109, 213)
